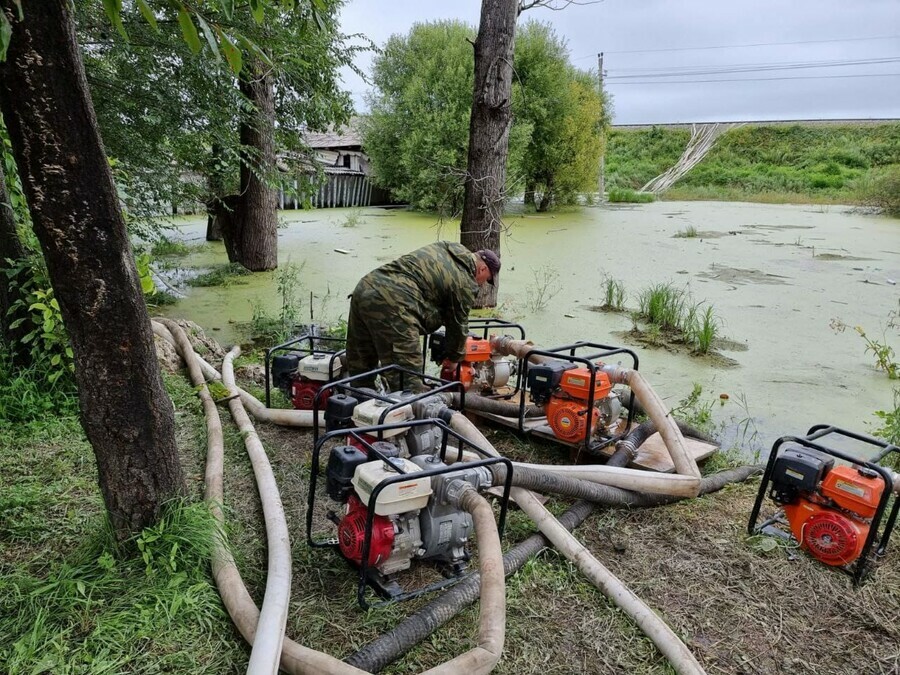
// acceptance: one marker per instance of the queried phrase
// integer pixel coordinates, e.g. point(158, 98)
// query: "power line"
point(761, 79)
point(768, 64)
point(741, 46)
point(750, 68)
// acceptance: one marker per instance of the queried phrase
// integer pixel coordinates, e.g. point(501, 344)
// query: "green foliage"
point(38, 310)
point(220, 275)
point(167, 102)
point(27, 394)
point(629, 196)
point(890, 422)
point(831, 163)
point(673, 311)
point(566, 114)
point(417, 133)
point(696, 412)
point(352, 219)
point(883, 189)
point(168, 247)
point(882, 352)
point(267, 328)
point(689, 232)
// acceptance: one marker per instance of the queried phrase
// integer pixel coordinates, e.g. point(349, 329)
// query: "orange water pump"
point(565, 391)
point(831, 502)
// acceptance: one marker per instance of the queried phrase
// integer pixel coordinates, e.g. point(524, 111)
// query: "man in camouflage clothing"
point(415, 295)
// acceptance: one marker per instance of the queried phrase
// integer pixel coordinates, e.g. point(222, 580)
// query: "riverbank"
point(776, 164)
point(68, 605)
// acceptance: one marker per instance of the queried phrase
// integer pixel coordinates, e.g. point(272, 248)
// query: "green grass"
point(690, 232)
point(629, 196)
point(672, 312)
point(167, 247)
point(221, 275)
point(614, 294)
point(827, 164)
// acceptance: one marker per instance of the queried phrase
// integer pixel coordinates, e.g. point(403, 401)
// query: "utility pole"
point(602, 181)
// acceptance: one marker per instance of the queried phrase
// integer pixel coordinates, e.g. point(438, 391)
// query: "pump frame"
point(812, 440)
point(588, 361)
point(314, 347)
point(366, 576)
point(484, 326)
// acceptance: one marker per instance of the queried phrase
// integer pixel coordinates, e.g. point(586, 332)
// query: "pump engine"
point(480, 369)
point(301, 378)
point(564, 389)
point(412, 519)
point(829, 507)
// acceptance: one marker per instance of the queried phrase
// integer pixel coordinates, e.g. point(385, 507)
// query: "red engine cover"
point(351, 533)
point(304, 390)
point(828, 535)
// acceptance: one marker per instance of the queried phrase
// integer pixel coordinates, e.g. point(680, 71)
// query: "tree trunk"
point(529, 194)
point(75, 212)
point(546, 199)
point(251, 231)
point(216, 185)
point(489, 133)
point(10, 248)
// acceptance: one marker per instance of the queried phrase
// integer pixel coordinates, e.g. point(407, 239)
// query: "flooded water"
point(778, 277)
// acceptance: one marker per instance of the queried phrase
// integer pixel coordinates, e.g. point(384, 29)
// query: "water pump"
point(480, 370)
point(414, 517)
point(300, 379)
point(565, 389)
point(831, 503)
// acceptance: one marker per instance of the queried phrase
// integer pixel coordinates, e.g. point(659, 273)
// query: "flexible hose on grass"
point(295, 658)
point(266, 652)
point(279, 416)
point(653, 626)
point(390, 646)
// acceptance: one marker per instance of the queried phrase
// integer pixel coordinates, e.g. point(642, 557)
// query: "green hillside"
point(820, 163)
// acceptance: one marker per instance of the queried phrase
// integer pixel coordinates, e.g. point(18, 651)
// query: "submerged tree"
point(416, 134)
point(76, 216)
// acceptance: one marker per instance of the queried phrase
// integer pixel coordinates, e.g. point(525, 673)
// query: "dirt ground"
point(740, 608)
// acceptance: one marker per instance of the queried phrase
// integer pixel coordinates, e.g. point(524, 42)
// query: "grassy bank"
point(827, 164)
point(68, 604)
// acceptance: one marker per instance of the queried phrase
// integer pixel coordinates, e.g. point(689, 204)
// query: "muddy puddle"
point(777, 276)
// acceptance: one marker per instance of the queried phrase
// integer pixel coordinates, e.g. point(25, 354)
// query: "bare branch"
point(555, 5)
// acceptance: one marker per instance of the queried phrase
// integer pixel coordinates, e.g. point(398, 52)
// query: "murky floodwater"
point(777, 276)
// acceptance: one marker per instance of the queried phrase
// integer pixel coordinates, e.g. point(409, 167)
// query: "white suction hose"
point(282, 417)
point(654, 627)
point(266, 652)
point(295, 658)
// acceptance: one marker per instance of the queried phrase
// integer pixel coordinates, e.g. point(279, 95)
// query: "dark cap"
point(492, 261)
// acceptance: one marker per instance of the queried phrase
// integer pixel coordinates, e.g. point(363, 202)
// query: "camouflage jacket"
point(433, 286)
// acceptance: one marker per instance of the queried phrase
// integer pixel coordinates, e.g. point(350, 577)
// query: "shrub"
point(629, 196)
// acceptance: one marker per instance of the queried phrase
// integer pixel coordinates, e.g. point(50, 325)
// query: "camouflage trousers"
point(379, 334)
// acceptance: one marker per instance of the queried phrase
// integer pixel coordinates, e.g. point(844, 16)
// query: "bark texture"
point(249, 221)
point(125, 412)
point(489, 133)
point(11, 248)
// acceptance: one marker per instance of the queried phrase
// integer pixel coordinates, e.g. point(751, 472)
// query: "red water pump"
point(300, 379)
point(833, 510)
point(564, 389)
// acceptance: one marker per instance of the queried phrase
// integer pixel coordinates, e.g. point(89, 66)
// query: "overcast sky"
point(855, 43)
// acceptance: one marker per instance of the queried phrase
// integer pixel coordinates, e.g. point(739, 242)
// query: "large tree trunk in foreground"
point(250, 220)
point(125, 412)
point(10, 248)
point(489, 133)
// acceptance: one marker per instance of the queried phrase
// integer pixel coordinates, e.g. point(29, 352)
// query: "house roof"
point(347, 136)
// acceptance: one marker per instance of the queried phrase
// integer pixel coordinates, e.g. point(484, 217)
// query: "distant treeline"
point(841, 163)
